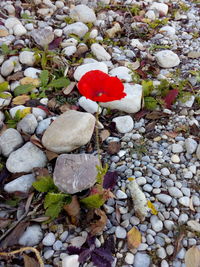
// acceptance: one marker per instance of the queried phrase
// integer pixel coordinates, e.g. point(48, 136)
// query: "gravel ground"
point(160, 149)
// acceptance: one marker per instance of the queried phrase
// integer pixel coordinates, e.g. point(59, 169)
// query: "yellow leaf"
point(192, 257)
point(20, 100)
point(25, 112)
point(152, 207)
point(131, 179)
point(134, 238)
point(29, 80)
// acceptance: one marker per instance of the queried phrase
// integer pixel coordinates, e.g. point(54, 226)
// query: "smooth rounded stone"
point(181, 254)
point(78, 241)
point(160, 7)
point(13, 111)
point(129, 258)
point(63, 135)
point(82, 13)
point(70, 260)
point(187, 175)
point(131, 103)
point(198, 152)
point(147, 188)
point(170, 250)
point(186, 191)
point(38, 112)
point(83, 69)
point(48, 254)
point(165, 171)
point(49, 240)
point(142, 247)
point(141, 260)
point(167, 59)
point(88, 105)
point(26, 158)
point(185, 201)
point(194, 225)
point(44, 124)
point(32, 72)
point(69, 50)
point(164, 263)
point(190, 145)
point(10, 140)
point(175, 192)
point(150, 14)
point(122, 73)
point(192, 242)
point(120, 232)
point(141, 181)
point(175, 158)
point(108, 209)
point(28, 124)
point(75, 172)
point(124, 124)
point(169, 225)
point(168, 30)
point(19, 30)
point(156, 224)
point(150, 239)
point(11, 22)
point(27, 58)
point(177, 148)
point(42, 36)
point(121, 195)
point(134, 220)
point(57, 245)
point(77, 28)
point(161, 253)
point(21, 184)
point(100, 52)
point(32, 236)
point(160, 241)
point(7, 67)
point(196, 201)
point(64, 236)
point(153, 169)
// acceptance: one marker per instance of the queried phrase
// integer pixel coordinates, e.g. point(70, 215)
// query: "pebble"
point(32, 236)
point(177, 148)
point(175, 158)
point(157, 225)
point(77, 28)
point(88, 105)
point(27, 58)
point(57, 245)
point(167, 59)
point(141, 260)
point(19, 30)
point(49, 240)
point(42, 36)
point(129, 259)
point(69, 261)
point(124, 124)
point(81, 70)
point(100, 52)
point(120, 232)
point(161, 253)
point(190, 145)
point(160, 7)
point(28, 124)
point(121, 195)
point(185, 201)
point(7, 67)
point(175, 192)
point(48, 254)
point(20, 184)
point(83, 13)
point(122, 73)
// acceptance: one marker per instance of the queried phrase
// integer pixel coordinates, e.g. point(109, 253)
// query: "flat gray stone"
point(75, 173)
point(21, 184)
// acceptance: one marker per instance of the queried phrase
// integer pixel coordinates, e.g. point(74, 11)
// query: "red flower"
point(99, 86)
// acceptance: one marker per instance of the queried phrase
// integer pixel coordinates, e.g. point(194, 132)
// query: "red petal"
point(170, 98)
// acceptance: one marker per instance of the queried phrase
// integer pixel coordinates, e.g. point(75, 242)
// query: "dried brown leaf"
point(40, 219)
point(16, 76)
point(4, 223)
point(150, 126)
point(171, 134)
point(191, 204)
point(36, 141)
point(178, 244)
point(117, 214)
point(134, 238)
point(30, 262)
point(192, 257)
point(73, 210)
point(20, 100)
point(113, 147)
point(104, 134)
point(98, 225)
point(154, 115)
point(51, 155)
point(40, 172)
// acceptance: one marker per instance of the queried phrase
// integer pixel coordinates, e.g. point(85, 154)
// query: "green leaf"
point(101, 171)
point(4, 95)
point(147, 87)
point(17, 115)
point(3, 86)
point(52, 198)
point(44, 60)
point(45, 184)
point(59, 83)
point(54, 210)
point(5, 49)
point(93, 201)
point(23, 89)
point(44, 77)
point(150, 103)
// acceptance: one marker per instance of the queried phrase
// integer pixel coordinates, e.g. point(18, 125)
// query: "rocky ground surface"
point(158, 145)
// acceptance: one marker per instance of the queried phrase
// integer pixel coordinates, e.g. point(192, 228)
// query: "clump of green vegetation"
point(20, 114)
point(155, 47)
point(69, 20)
point(135, 10)
point(157, 23)
point(6, 51)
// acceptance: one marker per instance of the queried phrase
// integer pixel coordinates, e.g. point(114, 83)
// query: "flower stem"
point(97, 135)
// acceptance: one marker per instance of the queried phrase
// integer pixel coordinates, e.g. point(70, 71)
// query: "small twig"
point(97, 135)
point(34, 250)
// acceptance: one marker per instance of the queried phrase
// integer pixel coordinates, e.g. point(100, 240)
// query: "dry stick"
point(34, 250)
point(97, 135)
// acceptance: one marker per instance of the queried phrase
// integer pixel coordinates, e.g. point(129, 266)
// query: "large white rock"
point(131, 103)
point(122, 73)
point(11, 22)
point(27, 58)
point(77, 28)
point(160, 7)
point(100, 52)
point(69, 50)
point(88, 105)
point(69, 131)
point(82, 13)
point(26, 158)
point(168, 30)
point(167, 59)
point(19, 30)
point(81, 70)
point(32, 72)
point(21, 184)
point(10, 140)
point(32, 236)
point(124, 124)
point(42, 36)
point(70, 260)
